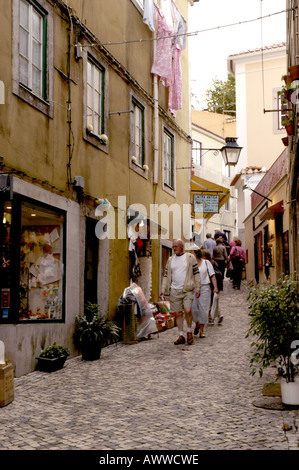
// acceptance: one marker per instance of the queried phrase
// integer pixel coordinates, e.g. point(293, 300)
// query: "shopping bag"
point(215, 306)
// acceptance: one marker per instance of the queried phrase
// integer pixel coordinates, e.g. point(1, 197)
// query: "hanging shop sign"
point(206, 203)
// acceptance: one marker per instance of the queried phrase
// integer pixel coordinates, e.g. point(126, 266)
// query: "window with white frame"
point(196, 152)
point(168, 152)
point(32, 63)
point(95, 98)
point(281, 105)
point(138, 132)
point(32, 48)
point(283, 111)
point(138, 151)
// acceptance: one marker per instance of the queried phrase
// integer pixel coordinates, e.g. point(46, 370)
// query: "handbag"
point(230, 269)
point(211, 284)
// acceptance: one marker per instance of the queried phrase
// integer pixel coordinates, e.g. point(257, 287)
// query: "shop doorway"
point(256, 263)
point(91, 262)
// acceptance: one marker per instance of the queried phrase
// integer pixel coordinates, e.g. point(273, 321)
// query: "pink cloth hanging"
point(162, 65)
point(176, 87)
point(167, 64)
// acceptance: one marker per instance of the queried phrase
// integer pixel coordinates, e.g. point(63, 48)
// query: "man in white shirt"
point(180, 279)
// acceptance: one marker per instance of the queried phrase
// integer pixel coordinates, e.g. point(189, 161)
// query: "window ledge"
point(140, 170)
point(96, 136)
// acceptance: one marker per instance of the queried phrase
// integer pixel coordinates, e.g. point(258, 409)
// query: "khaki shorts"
point(179, 300)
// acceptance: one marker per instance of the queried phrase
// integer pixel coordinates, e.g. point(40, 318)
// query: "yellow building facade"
point(87, 132)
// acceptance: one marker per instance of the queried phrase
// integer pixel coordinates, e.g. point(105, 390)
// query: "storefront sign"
point(206, 203)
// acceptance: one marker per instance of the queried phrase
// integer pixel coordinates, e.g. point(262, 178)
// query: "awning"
point(272, 211)
point(202, 186)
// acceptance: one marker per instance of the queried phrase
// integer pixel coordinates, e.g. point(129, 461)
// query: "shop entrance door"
point(91, 262)
point(256, 267)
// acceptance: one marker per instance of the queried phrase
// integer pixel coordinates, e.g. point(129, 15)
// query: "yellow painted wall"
point(261, 80)
point(38, 145)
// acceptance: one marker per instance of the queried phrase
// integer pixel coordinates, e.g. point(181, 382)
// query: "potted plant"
point(288, 124)
point(285, 141)
point(287, 91)
point(294, 72)
point(92, 331)
point(287, 79)
point(52, 358)
point(274, 324)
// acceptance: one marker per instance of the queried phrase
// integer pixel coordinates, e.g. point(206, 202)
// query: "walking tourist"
point(221, 258)
point(201, 305)
point(209, 243)
point(237, 257)
point(219, 280)
point(181, 282)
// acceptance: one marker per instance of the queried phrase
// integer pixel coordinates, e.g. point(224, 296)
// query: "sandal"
point(202, 336)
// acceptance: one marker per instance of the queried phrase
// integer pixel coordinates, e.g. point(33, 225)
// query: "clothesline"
point(111, 43)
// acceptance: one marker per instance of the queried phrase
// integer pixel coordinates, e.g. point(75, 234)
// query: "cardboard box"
point(6, 384)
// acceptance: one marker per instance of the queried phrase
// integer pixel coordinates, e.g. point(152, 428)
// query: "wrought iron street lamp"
point(231, 151)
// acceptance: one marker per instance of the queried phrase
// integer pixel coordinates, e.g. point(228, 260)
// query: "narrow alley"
point(153, 396)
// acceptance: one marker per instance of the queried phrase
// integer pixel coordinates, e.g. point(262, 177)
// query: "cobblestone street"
point(153, 396)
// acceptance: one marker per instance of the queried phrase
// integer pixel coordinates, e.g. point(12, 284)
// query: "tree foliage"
point(221, 96)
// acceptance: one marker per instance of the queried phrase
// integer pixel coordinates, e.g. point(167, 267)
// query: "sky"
point(209, 50)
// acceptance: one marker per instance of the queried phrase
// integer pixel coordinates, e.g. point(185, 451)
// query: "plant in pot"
point(287, 79)
point(288, 124)
point(287, 91)
point(92, 331)
point(294, 72)
point(52, 358)
point(274, 324)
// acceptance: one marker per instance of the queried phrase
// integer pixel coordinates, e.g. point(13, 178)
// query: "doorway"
point(91, 262)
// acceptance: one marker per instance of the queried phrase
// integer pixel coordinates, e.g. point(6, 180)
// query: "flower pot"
point(50, 365)
point(91, 352)
point(289, 129)
point(285, 141)
point(294, 72)
point(287, 79)
point(290, 393)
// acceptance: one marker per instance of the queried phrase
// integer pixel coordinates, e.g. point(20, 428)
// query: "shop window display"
point(41, 264)
point(5, 250)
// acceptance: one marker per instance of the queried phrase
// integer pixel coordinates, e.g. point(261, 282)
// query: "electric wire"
point(195, 33)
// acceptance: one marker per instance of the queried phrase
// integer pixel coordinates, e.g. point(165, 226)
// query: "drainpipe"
point(156, 118)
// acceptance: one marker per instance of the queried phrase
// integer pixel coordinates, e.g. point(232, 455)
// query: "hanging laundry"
point(180, 28)
point(148, 14)
point(162, 65)
point(167, 8)
point(175, 96)
point(179, 43)
point(172, 29)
